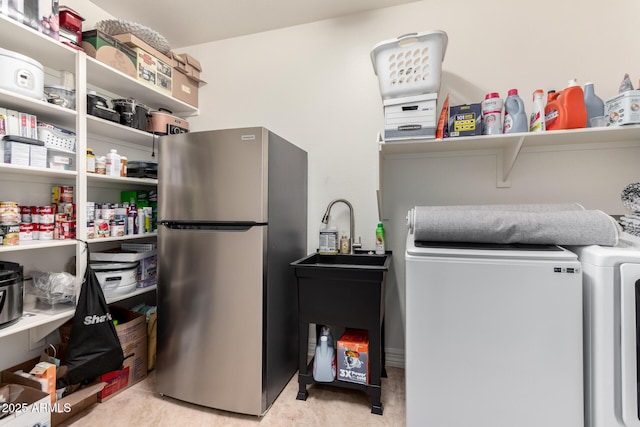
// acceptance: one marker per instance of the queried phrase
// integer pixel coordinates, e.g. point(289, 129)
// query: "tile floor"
point(140, 406)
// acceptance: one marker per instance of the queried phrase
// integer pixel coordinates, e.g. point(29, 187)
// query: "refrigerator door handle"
point(212, 226)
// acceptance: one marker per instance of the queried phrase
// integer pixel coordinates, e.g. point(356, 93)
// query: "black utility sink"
point(355, 261)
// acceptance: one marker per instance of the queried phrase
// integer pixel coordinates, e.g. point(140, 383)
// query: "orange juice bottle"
point(566, 110)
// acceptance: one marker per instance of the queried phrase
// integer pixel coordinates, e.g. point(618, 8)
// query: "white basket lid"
point(408, 39)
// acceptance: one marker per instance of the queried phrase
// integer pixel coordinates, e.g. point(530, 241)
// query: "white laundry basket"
point(410, 64)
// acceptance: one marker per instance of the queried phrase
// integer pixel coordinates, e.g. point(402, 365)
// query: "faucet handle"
point(357, 245)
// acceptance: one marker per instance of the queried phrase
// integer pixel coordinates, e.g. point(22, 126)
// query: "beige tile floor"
point(141, 406)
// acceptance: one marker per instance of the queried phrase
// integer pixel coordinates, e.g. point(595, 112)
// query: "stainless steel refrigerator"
point(232, 215)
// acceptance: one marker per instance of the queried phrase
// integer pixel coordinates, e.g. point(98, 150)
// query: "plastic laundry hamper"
point(410, 64)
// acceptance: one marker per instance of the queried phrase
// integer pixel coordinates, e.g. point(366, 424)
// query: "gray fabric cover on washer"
point(530, 224)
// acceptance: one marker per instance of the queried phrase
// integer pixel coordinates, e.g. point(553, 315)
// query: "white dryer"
point(611, 277)
point(493, 336)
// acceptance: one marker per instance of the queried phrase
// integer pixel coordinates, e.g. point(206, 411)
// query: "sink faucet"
point(325, 220)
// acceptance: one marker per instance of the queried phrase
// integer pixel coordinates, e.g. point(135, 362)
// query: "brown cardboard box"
point(66, 407)
point(28, 394)
point(179, 62)
point(193, 66)
point(184, 88)
point(132, 332)
point(110, 51)
point(132, 41)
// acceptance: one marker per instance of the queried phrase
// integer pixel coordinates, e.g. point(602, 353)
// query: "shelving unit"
point(509, 146)
point(90, 74)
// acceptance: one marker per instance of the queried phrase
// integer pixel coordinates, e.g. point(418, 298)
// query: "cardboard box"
point(353, 356)
point(32, 402)
point(16, 153)
point(110, 51)
point(64, 408)
point(185, 88)
point(465, 120)
point(623, 109)
point(132, 332)
point(191, 66)
point(410, 117)
point(46, 371)
point(37, 14)
point(115, 381)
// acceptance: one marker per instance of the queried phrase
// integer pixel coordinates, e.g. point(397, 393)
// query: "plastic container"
point(328, 241)
point(515, 117)
point(101, 165)
point(344, 244)
point(410, 64)
point(113, 163)
point(492, 114)
point(536, 123)
point(91, 161)
point(123, 166)
point(566, 110)
point(324, 362)
point(593, 103)
point(380, 249)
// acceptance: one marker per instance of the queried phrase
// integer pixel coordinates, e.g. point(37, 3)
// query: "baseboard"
point(394, 357)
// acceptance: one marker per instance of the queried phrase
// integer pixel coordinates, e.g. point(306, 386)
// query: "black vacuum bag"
point(94, 347)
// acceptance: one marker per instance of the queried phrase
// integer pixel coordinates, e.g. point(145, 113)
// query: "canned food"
point(46, 214)
point(35, 214)
point(91, 233)
point(11, 234)
point(9, 213)
point(117, 228)
point(25, 214)
point(68, 230)
point(46, 231)
point(36, 231)
point(101, 227)
point(61, 194)
point(91, 210)
point(108, 212)
point(26, 231)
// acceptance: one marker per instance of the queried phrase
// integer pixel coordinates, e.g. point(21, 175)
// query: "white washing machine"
point(611, 277)
point(493, 336)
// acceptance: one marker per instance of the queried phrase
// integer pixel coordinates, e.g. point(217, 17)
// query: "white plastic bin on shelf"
point(410, 64)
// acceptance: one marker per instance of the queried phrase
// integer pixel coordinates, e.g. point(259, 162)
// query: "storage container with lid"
point(410, 64)
point(116, 278)
point(21, 74)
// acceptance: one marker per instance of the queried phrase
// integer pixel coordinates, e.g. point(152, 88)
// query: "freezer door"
point(210, 317)
point(213, 176)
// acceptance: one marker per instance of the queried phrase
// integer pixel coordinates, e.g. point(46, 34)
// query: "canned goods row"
point(61, 194)
point(15, 233)
point(45, 214)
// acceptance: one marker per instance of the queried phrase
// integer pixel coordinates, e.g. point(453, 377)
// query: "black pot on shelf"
point(132, 113)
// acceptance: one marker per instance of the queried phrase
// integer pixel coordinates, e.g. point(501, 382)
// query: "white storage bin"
point(21, 74)
point(410, 64)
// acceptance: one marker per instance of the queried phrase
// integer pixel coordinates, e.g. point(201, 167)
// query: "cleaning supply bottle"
point(594, 104)
point(328, 242)
point(567, 110)
point(536, 124)
point(380, 249)
point(492, 114)
point(324, 362)
point(515, 118)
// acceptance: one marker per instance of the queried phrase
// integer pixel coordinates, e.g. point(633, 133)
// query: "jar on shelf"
point(101, 165)
point(123, 165)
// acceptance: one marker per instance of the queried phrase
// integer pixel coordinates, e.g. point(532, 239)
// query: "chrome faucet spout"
point(325, 220)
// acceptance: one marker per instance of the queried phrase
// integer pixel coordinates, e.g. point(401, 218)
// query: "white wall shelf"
point(96, 180)
point(136, 292)
point(510, 145)
point(122, 238)
point(98, 126)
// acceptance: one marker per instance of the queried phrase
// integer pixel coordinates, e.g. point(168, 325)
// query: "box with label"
point(47, 372)
point(153, 72)
point(38, 156)
point(60, 160)
point(465, 120)
point(16, 153)
point(110, 51)
point(147, 259)
point(132, 333)
point(64, 408)
point(41, 15)
point(25, 403)
point(185, 88)
point(412, 117)
point(623, 109)
point(189, 65)
point(353, 356)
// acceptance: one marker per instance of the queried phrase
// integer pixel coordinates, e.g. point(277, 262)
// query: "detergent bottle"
point(536, 124)
point(324, 362)
point(492, 114)
point(566, 109)
point(515, 118)
point(594, 104)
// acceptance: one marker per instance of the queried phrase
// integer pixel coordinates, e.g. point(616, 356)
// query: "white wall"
point(314, 84)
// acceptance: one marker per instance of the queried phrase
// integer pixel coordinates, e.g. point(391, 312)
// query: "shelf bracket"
point(505, 161)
